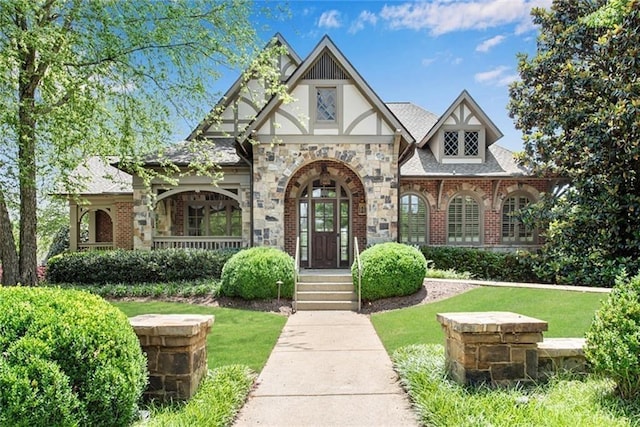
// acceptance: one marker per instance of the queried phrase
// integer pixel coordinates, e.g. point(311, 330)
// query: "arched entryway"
point(325, 209)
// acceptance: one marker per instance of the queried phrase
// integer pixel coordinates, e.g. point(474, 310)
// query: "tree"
point(578, 106)
point(81, 78)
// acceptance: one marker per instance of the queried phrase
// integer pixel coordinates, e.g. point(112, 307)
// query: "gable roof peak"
point(492, 132)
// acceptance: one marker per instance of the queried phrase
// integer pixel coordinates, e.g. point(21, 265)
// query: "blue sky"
point(425, 52)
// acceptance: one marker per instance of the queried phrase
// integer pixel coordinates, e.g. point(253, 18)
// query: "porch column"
point(142, 220)
point(73, 226)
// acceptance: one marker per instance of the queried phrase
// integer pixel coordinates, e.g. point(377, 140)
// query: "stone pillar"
point(176, 351)
point(499, 348)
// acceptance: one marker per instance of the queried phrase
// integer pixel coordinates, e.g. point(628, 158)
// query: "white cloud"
point(364, 18)
point(445, 16)
point(489, 44)
point(330, 19)
point(499, 76)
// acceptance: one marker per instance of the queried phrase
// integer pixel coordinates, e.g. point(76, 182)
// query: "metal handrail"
point(356, 256)
point(296, 275)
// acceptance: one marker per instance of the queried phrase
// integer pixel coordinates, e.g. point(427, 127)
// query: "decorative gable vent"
point(326, 68)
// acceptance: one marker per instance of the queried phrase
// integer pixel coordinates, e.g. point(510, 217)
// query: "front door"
point(324, 234)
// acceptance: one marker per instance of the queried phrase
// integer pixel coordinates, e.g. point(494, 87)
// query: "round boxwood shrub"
point(67, 358)
point(613, 339)
point(253, 273)
point(390, 270)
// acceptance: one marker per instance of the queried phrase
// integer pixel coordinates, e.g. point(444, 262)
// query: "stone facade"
point(375, 165)
point(176, 351)
point(499, 348)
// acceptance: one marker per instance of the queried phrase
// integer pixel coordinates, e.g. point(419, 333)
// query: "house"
point(334, 165)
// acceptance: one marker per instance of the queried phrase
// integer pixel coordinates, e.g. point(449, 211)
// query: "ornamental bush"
point(67, 358)
point(253, 273)
point(390, 270)
point(613, 339)
point(129, 267)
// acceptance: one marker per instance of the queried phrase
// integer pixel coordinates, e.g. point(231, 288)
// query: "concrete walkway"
point(328, 368)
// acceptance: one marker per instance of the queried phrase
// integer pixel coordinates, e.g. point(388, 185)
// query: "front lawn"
point(568, 313)
point(237, 337)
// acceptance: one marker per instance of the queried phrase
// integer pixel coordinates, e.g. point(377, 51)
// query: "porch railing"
point(296, 275)
point(97, 246)
point(356, 257)
point(208, 243)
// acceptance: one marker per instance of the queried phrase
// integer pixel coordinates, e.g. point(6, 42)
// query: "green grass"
point(220, 396)
point(567, 401)
point(568, 313)
point(237, 336)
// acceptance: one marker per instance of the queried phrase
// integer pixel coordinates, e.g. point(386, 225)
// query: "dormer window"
point(461, 143)
point(326, 104)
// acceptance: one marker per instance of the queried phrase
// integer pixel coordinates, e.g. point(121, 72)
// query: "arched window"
point(513, 230)
point(413, 219)
point(463, 220)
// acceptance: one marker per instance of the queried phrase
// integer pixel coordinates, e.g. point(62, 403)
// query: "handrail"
point(358, 262)
point(296, 275)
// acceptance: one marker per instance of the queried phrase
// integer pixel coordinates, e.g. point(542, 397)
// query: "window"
point(213, 214)
point(450, 143)
point(513, 230)
point(464, 220)
point(471, 143)
point(463, 143)
point(326, 104)
point(413, 219)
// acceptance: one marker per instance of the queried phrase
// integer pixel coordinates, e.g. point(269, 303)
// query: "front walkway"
point(328, 368)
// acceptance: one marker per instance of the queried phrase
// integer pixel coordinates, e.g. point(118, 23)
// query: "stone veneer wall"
point(499, 348)
point(175, 346)
point(274, 166)
point(142, 220)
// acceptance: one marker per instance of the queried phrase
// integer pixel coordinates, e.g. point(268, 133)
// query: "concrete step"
point(324, 287)
point(327, 305)
point(322, 296)
point(330, 277)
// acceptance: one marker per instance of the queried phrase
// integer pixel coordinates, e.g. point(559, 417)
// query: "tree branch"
point(116, 56)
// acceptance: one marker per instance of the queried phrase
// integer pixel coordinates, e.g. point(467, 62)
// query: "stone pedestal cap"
point(491, 322)
point(183, 325)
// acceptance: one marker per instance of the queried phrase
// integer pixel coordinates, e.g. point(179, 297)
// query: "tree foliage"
point(578, 106)
point(82, 78)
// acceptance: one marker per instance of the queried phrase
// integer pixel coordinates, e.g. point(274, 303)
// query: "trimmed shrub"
point(253, 273)
point(481, 264)
point(613, 340)
point(390, 270)
point(129, 267)
point(67, 358)
point(60, 242)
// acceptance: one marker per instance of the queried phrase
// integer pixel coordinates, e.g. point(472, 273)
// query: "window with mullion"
point(463, 220)
point(413, 219)
point(513, 230)
point(326, 104)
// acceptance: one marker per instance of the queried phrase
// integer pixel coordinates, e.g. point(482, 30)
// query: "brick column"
point(176, 351)
point(499, 348)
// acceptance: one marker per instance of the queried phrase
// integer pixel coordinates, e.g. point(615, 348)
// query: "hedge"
point(253, 274)
point(67, 358)
point(130, 267)
point(390, 270)
point(483, 264)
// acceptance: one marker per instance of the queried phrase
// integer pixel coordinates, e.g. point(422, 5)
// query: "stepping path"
point(328, 368)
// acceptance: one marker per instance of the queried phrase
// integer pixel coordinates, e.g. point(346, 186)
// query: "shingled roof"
point(415, 119)
point(180, 154)
point(499, 163)
point(97, 176)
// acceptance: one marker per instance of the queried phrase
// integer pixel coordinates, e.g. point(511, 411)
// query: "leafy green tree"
point(578, 106)
point(81, 78)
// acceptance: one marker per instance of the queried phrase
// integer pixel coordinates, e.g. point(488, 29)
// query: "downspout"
point(250, 163)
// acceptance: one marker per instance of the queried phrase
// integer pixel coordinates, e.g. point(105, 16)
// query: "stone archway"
point(325, 186)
